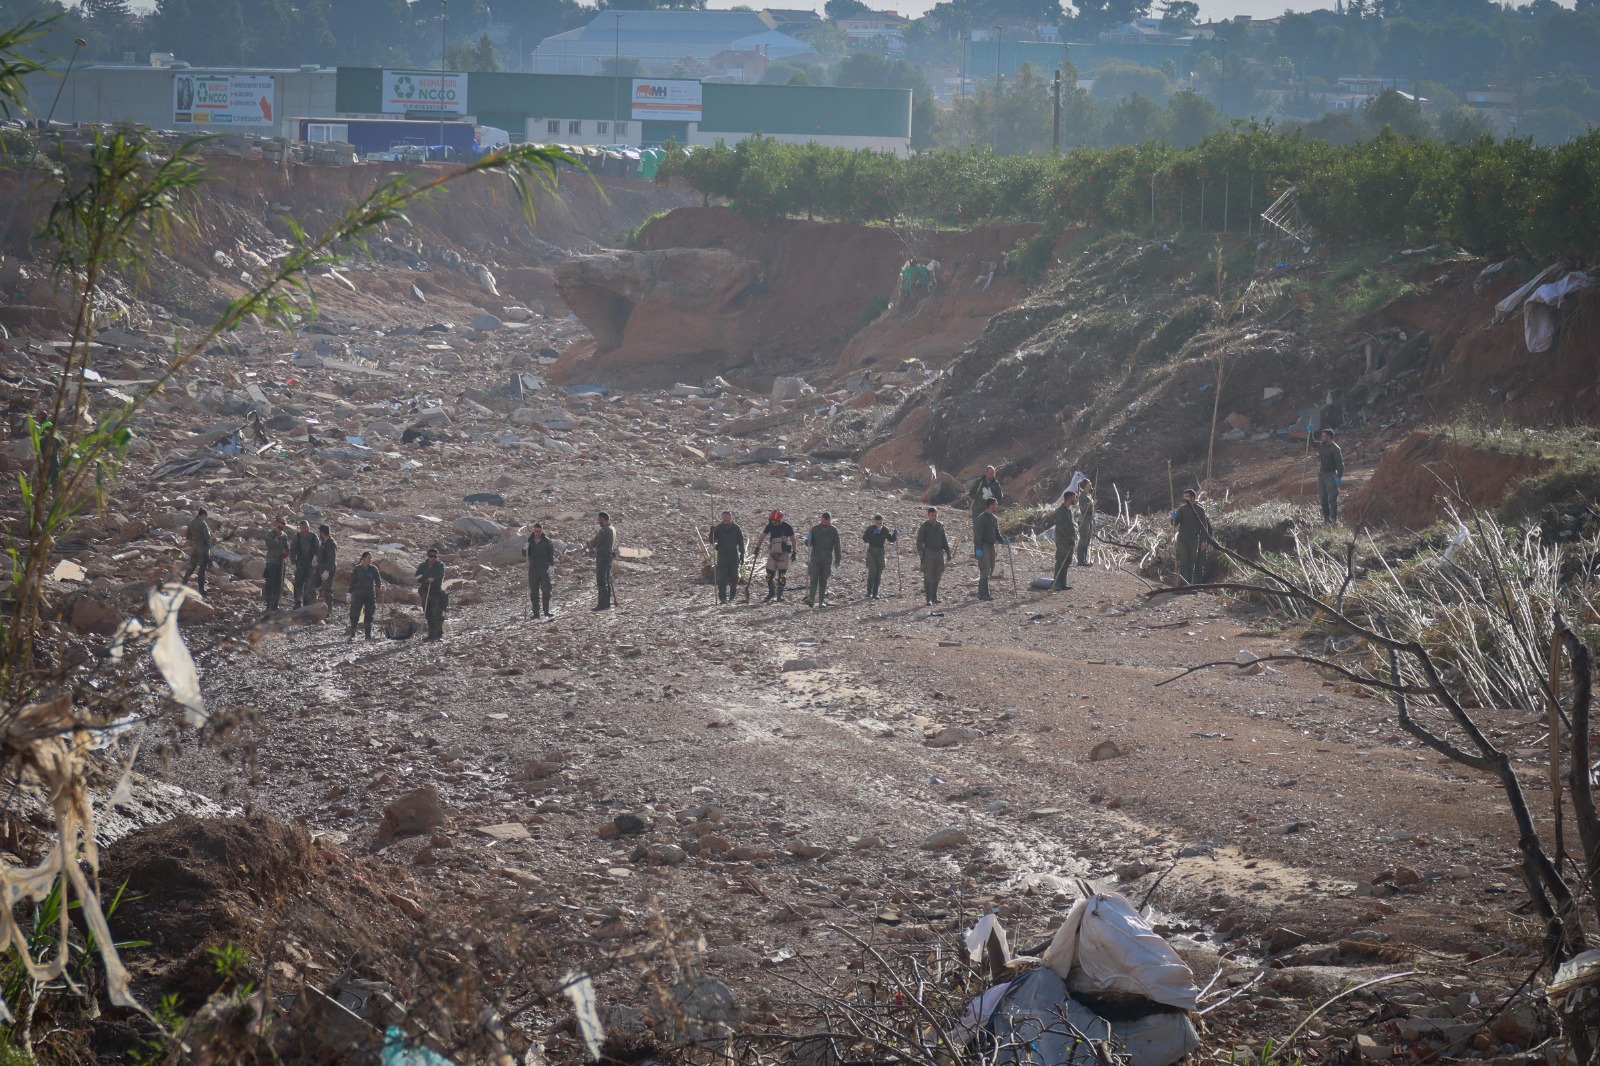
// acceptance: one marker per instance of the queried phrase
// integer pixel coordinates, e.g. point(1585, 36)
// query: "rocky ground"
point(724, 801)
point(760, 775)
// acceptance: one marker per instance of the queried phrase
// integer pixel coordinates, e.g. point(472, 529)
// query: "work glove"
point(1338, 479)
point(977, 553)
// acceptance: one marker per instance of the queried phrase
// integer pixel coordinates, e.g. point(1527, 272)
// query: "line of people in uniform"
point(1073, 521)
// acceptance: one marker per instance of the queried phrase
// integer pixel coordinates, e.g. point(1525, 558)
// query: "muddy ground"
point(738, 793)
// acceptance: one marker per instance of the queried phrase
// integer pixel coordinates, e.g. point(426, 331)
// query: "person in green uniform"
point(1330, 475)
point(365, 583)
point(199, 537)
point(431, 594)
point(1085, 519)
point(541, 553)
point(728, 540)
point(986, 545)
point(1193, 526)
point(277, 551)
point(878, 537)
point(826, 553)
point(303, 553)
point(1065, 521)
point(933, 551)
point(327, 565)
point(983, 490)
point(604, 546)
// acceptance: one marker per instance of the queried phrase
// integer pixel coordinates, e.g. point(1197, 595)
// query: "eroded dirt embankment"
point(1113, 363)
point(705, 292)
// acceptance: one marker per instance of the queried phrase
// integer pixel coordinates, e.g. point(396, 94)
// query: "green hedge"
point(1490, 197)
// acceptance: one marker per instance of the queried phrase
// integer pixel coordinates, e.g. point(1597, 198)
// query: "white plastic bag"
point(1105, 948)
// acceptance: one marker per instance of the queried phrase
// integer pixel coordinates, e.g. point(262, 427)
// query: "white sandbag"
point(1104, 948)
point(1036, 1024)
point(1157, 1039)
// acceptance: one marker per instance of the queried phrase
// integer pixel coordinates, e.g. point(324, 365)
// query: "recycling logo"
point(405, 88)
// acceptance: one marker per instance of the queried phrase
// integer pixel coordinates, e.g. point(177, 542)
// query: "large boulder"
point(672, 303)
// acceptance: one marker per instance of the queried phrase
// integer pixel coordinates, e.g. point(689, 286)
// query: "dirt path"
point(804, 798)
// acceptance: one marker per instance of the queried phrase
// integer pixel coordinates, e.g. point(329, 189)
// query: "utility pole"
point(1055, 124)
point(444, 59)
point(994, 143)
point(616, 76)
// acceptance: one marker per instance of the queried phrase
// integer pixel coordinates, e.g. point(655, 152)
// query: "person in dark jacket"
point(366, 582)
point(431, 594)
point(986, 545)
point(277, 551)
point(933, 551)
point(541, 553)
point(1194, 528)
point(878, 538)
point(1330, 476)
point(1065, 521)
point(604, 546)
point(983, 490)
point(1085, 519)
point(199, 537)
point(728, 541)
point(303, 554)
point(826, 553)
point(327, 564)
point(779, 538)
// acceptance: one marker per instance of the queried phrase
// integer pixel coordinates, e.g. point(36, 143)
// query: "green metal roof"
point(729, 108)
point(806, 109)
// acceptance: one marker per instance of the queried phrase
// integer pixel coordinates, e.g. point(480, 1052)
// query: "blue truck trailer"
point(397, 139)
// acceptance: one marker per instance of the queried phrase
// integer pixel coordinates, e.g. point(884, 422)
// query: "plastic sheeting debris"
point(1105, 949)
point(1540, 316)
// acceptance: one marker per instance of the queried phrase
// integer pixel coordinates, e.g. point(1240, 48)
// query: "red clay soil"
point(1420, 475)
point(826, 277)
point(1476, 363)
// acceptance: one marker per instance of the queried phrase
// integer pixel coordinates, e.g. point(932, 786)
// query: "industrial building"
point(571, 109)
point(547, 108)
point(265, 101)
point(664, 43)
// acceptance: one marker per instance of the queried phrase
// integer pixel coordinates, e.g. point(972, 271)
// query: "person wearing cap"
point(826, 553)
point(933, 549)
point(541, 555)
point(1194, 527)
point(199, 536)
point(986, 545)
point(1330, 475)
point(779, 538)
point(303, 553)
point(1085, 519)
point(1065, 521)
point(362, 592)
point(878, 538)
point(327, 565)
point(431, 594)
point(728, 540)
point(277, 551)
point(604, 546)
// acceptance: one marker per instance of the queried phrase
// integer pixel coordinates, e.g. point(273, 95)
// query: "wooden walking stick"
point(1012, 564)
point(899, 575)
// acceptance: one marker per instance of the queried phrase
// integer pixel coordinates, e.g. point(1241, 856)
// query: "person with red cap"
point(779, 539)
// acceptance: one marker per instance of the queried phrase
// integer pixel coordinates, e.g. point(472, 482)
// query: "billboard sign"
point(667, 101)
point(420, 90)
point(223, 99)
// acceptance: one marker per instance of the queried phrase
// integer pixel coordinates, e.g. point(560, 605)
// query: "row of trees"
point(1488, 196)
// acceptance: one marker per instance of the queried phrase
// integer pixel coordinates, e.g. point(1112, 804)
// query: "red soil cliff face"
point(813, 306)
point(1418, 477)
